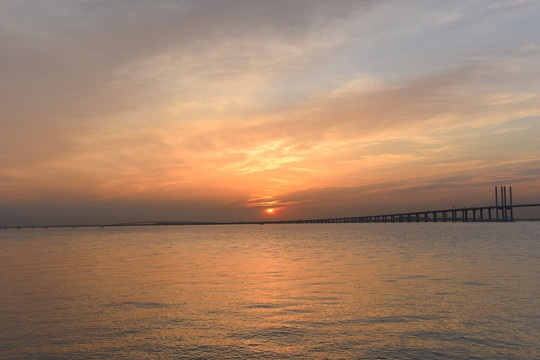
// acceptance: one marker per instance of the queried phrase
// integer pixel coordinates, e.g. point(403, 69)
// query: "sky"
point(215, 110)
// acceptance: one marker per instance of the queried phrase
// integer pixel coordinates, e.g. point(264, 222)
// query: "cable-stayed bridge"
point(501, 211)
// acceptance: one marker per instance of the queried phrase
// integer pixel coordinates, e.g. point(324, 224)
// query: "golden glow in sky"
point(196, 110)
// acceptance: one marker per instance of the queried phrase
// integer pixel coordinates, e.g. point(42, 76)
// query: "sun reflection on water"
point(329, 291)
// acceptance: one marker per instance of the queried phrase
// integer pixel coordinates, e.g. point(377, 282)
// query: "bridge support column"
point(505, 216)
point(496, 205)
point(502, 205)
point(511, 207)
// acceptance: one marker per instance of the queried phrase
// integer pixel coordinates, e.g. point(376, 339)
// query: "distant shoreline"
point(199, 223)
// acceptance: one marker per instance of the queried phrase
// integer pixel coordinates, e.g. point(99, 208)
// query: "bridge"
point(502, 211)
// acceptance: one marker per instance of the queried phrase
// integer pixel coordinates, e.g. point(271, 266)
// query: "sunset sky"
point(129, 110)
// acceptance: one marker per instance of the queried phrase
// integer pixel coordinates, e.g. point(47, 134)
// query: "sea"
point(291, 291)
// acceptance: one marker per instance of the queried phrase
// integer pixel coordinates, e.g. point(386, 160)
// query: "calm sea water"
point(320, 291)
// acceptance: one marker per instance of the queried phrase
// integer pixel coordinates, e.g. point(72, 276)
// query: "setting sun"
point(270, 211)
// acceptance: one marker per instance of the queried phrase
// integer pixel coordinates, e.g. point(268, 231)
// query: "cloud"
point(68, 67)
point(469, 94)
point(77, 46)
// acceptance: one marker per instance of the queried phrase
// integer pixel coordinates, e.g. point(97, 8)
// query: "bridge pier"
point(511, 207)
point(505, 209)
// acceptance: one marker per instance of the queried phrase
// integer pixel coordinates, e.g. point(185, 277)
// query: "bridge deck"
point(472, 214)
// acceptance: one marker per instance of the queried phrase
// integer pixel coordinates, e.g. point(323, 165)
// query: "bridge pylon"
point(504, 208)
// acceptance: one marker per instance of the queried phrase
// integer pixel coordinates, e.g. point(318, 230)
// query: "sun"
point(269, 211)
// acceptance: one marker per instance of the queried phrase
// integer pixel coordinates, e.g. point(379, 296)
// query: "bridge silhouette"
point(501, 211)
